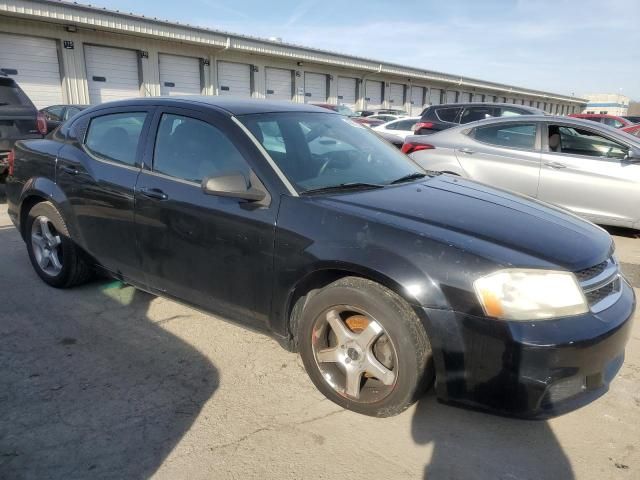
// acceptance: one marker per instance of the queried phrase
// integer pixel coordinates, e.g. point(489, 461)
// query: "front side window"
point(191, 150)
point(473, 114)
point(316, 150)
point(115, 136)
point(522, 135)
point(577, 141)
point(448, 114)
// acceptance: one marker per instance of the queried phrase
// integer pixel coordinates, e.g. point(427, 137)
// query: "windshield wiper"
point(406, 178)
point(343, 186)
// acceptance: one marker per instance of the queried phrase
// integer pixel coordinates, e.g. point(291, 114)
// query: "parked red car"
point(632, 129)
point(347, 112)
point(611, 120)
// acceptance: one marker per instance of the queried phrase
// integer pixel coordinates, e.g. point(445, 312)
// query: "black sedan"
point(294, 220)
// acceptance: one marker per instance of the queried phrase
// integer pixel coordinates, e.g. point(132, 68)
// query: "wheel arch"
point(41, 189)
point(324, 275)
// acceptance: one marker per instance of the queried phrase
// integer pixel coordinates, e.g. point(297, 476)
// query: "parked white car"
point(401, 127)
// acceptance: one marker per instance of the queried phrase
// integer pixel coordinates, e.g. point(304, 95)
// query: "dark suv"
point(19, 119)
point(441, 117)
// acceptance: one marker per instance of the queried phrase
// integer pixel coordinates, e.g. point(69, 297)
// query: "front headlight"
point(528, 294)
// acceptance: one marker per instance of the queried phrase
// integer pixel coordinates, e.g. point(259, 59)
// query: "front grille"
point(591, 272)
point(601, 284)
point(599, 294)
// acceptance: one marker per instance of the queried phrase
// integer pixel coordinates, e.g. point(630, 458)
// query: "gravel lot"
point(104, 381)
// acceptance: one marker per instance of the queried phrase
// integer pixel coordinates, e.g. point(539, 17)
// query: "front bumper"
point(528, 369)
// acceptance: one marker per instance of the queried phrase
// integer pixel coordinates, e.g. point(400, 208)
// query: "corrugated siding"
point(36, 62)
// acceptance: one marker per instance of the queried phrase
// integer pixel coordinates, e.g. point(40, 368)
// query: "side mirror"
point(633, 156)
point(234, 185)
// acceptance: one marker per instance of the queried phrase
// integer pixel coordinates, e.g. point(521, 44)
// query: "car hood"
point(476, 217)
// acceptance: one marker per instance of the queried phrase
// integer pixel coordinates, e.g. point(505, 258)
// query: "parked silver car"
point(590, 169)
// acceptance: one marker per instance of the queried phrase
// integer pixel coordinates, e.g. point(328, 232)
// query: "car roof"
point(487, 104)
point(231, 106)
point(578, 122)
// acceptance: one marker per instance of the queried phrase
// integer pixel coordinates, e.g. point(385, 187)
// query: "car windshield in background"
point(319, 151)
point(10, 94)
point(346, 111)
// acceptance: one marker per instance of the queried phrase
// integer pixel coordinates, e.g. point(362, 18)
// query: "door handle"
point(70, 170)
point(556, 165)
point(467, 150)
point(154, 193)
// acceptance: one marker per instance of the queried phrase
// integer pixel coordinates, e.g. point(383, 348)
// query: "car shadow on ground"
point(622, 232)
point(473, 444)
point(90, 387)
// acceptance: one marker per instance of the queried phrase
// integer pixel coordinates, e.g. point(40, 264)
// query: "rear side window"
point(11, 94)
point(448, 114)
point(612, 122)
point(472, 114)
point(402, 125)
point(115, 136)
point(510, 112)
point(53, 113)
point(191, 150)
point(522, 135)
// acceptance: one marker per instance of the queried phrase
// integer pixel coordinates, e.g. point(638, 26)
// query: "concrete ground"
point(104, 381)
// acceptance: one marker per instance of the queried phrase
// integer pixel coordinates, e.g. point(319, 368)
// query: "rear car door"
point(213, 252)
point(97, 170)
point(505, 155)
point(585, 171)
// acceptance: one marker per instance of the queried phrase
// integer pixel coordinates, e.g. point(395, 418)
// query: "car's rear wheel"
point(364, 347)
point(54, 256)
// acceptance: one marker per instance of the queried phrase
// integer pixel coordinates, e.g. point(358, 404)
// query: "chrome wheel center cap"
point(353, 354)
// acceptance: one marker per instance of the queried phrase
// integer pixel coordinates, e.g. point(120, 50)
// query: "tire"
point(366, 309)
point(70, 267)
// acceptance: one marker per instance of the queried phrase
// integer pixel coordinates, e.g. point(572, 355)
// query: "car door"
point(97, 170)
point(214, 252)
point(585, 171)
point(504, 154)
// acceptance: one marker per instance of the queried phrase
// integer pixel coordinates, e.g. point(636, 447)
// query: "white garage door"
point(33, 63)
point(347, 92)
point(396, 95)
point(234, 79)
point(465, 97)
point(452, 96)
point(112, 73)
point(417, 100)
point(373, 94)
point(434, 96)
point(279, 84)
point(489, 97)
point(315, 87)
point(477, 97)
point(179, 75)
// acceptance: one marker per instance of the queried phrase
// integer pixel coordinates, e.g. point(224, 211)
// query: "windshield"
point(317, 150)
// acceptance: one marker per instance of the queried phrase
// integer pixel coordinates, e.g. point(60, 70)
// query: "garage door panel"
point(179, 75)
point(36, 62)
point(234, 79)
point(278, 83)
point(434, 96)
point(396, 95)
point(119, 70)
point(347, 92)
point(315, 87)
point(417, 100)
point(373, 94)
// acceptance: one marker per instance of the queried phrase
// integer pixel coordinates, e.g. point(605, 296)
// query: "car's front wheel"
point(364, 347)
point(54, 255)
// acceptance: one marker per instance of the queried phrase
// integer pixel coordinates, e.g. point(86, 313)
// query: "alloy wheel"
point(47, 246)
